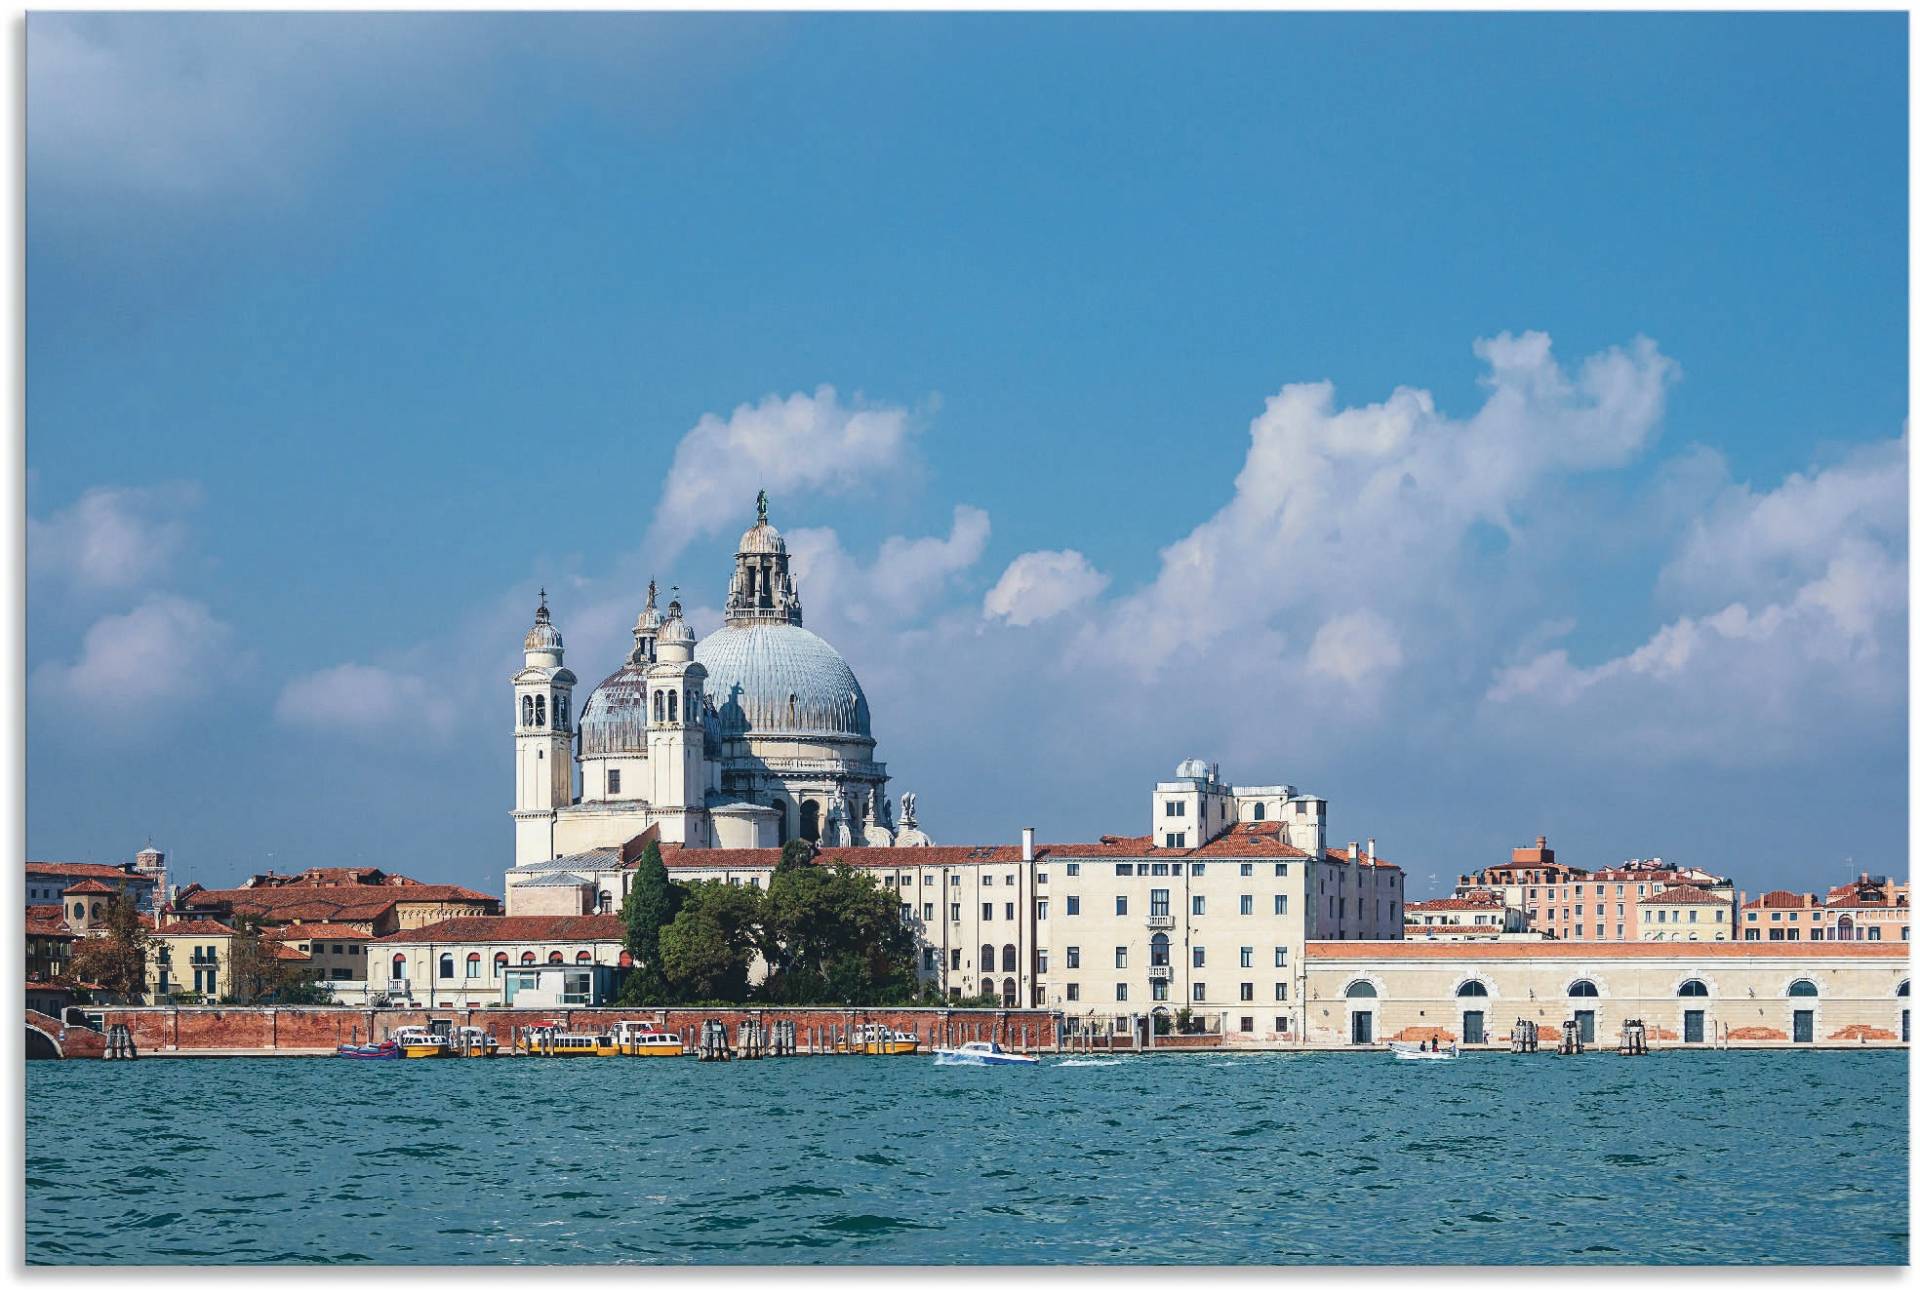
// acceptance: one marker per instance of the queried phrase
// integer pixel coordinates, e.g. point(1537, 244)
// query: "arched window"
point(80, 911)
point(499, 963)
point(1693, 988)
point(606, 901)
point(1802, 988)
point(446, 965)
point(556, 959)
point(473, 965)
point(539, 712)
point(673, 707)
point(1259, 812)
point(986, 957)
point(1846, 927)
point(526, 712)
point(1902, 990)
point(1008, 958)
point(1009, 993)
point(583, 956)
point(560, 713)
point(1472, 988)
point(810, 820)
point(526, 958)
point(1582, 988)
point(1362, 988)
point(96, 911)
point(1157, 951)
point(399, 966)
point(659, 707)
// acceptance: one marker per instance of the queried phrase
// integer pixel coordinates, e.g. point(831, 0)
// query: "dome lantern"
point(762, 591)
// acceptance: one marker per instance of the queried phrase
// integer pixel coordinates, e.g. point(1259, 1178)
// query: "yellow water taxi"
point(879, 1040)
point(474, 1043)
point(418, 1043)
point(549, 1040)
point(645, 1038)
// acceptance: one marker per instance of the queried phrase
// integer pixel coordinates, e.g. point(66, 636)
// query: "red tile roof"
point(1784, 899)
point(95, 871)
point(90, 887)
point(319, 930)
point(546, 929)
point(194, 927)
point(45, 922)
point(344, 903)
point(1682, 894)
point(1471, 901)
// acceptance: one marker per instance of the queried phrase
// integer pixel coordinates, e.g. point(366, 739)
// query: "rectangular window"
point(926, 960)
point(1176, 840)
point(1039, 909)
point(1279, 991)
point(926, 911)
point(1279, 905)
point(1073, 992)
point(1008, 914)
point(1246, 869)
point(1159, 869)
point(956, 959)
point(1159, 902)
point(1073, 957)
point(1073, 869)
point(1246, 992)
point(1159, 989)
point(1279, 956)
point(613, 781)
point(986, 911)
point(1120, 957)
point(1040, 962)
point(1199, 956)
point(986, 880)
point(1198, 869)
point(906, 911)
point(1246, 957)
point(1073, 905)
point(1123, 869)
point(1279, 1024)
point(1246, 905)
point(1199, 992)
point(1120, 905)
point(1119, 992)
point(1199, 905)
point(956, 911)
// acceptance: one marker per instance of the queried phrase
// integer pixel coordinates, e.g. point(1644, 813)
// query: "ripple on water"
point(813, 1161)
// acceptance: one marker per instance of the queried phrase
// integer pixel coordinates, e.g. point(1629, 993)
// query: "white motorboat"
point(1412, 1051)
point(979, 1053)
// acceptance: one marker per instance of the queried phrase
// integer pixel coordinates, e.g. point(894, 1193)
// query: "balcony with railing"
point(1159, 972)
point(1160, 921)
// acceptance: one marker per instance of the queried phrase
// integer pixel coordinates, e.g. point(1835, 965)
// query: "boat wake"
point(1095, 1062)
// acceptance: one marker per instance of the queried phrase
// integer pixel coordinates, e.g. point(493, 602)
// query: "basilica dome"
point(781, 678)
point(614, 719)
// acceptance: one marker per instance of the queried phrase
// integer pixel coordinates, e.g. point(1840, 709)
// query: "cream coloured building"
point(1691, 994)
point(755, 735)
point(463, 962)
point(1685, 914)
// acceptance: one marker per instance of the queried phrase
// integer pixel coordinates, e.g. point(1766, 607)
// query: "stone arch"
point(1360, 988)
point(1582, 988)
point(1692, 986)
point(1259, 810)
point(42, 1045)
point(1473, 987)
point(1803, 987)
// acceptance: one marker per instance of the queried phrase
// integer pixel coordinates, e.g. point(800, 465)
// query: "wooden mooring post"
point(713, 1041)
point(1571, 1043)
point(1525, 1038)
point(1633, 1038)
point(120, 1044)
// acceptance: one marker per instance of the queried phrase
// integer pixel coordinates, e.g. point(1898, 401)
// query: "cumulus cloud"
point(165, 651)
point(1039, 585)
point(111, 538)
point(1372, 503)
point(1355, 649)
point(906, 576)
point(804, 444)
point(365, 701)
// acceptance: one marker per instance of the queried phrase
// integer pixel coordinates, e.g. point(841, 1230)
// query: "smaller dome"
point(762, 540)
point(675, 629)
point(543, 636)
point(1191, 768)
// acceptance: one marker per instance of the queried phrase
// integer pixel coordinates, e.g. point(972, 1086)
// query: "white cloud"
point(1355, 649)
point(166, 650)
point(904, 579)
point(366, 701)
point(1039, 585)
point(1372, 504)
point(802, 444)
point(111, 537)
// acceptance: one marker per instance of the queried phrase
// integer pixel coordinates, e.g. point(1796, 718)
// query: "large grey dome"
point(780, 678)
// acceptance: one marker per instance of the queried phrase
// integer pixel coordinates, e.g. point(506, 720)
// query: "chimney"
point(1353, 851)
point(1026, 844)
point(1369, 851)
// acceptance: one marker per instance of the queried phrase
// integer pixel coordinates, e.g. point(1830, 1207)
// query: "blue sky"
point(346, 333)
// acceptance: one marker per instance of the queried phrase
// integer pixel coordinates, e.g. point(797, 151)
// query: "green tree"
point(651, 904)
point(117, 959)
point(257, 973)
point(834, 936)
point(707, 950)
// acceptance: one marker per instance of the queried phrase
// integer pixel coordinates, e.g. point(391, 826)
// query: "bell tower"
point(676, 733)
point(542, 739)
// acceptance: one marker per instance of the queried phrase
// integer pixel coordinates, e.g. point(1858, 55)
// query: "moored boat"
point(645, 1038)
point(879, 1040)
point(1410, 1051)
point(554, 1040)
point(388, 1050)
point(474, 1043)
point(979, 1053)
point(418, 1043)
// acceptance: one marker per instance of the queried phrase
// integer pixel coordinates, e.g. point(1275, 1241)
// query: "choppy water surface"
point(1675, 1158)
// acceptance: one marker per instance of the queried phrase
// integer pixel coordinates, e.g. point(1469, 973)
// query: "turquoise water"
point(1727, 1157)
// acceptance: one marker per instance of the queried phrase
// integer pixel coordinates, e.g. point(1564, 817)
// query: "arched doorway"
point(810, 820)
point(1361, 995)
point(1009, 992)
